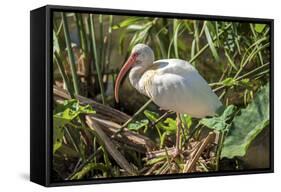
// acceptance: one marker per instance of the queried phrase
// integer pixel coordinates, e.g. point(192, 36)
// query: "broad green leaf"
point(57, 138)
point(220, 123)
point(71, 109)
point(171, 125)
point(259, 27)
point(64, 114)
point(152, 116)
point(168, 125)
point(246, 126)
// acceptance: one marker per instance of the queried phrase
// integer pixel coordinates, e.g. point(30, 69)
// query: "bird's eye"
point(135, 54)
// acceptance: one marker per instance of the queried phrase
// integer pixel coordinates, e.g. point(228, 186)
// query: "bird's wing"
point(176, 85)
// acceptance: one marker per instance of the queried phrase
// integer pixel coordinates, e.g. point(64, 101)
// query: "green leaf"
point(89, 167)
point(246, 126)
point(56, 42)
point(171, 125)
point(211, 43)
point(168, 125)
point(155, 160)
point(57, 138)
point(64, 114)
point(177, 26)
point(71, 109)
point(187, 120)
point(135, 27)
point(152, 116)
point(259, 27)
point(230, 60)
point(138, 124)
point(220, 123)
point(245, 82)
point(127, 22)
point(228, 82)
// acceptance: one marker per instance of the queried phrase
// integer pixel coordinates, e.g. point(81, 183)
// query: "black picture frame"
point(41, 93)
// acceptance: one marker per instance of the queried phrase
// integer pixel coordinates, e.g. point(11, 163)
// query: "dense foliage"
point(234, 57)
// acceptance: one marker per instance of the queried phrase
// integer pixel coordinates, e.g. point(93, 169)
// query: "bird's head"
point(141, 56)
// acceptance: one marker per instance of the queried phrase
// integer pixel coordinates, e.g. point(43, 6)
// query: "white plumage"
point(172, 84)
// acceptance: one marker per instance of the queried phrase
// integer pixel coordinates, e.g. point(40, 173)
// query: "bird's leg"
point(178, 135)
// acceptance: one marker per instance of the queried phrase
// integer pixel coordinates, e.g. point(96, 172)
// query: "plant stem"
point(88, 160)
point(107, 50)
point(240, 77)
point(134, 116)
point(92, 30)
point(70, 54)
point(82, 33)
point(252, 54)
point(220, 146)
point(73, 141)
point(101, 47)
point(58, 61)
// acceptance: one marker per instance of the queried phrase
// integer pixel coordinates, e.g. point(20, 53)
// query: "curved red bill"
point(131, 60)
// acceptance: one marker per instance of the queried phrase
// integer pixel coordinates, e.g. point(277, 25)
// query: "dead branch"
point(139, 142)
point(102, 110)
point(116, 155)
point(105, 116)
point(190, 164)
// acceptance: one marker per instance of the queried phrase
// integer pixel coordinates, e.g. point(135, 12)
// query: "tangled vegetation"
point(89, 49)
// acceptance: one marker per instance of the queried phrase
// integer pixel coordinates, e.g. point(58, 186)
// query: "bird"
point(172, 84)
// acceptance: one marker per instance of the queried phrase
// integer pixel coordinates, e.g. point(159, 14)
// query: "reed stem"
point(65, 79)
point(70, 54)
point(92, 31)
point(207, 45)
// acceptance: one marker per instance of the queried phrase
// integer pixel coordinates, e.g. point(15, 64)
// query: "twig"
point(138, 142)
point(134, 116)
point(191, 163)
point(160, 119)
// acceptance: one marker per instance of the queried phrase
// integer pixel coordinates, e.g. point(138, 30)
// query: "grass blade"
point(101, 47)
point(65, 79)
point(70, 54)
point(211, 43)
point(176, 25)
point(93, 35)
point(230, 61)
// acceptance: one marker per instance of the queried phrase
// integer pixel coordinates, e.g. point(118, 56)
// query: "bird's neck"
point(135, 78)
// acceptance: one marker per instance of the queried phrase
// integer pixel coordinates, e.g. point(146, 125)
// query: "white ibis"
point(172, 84)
